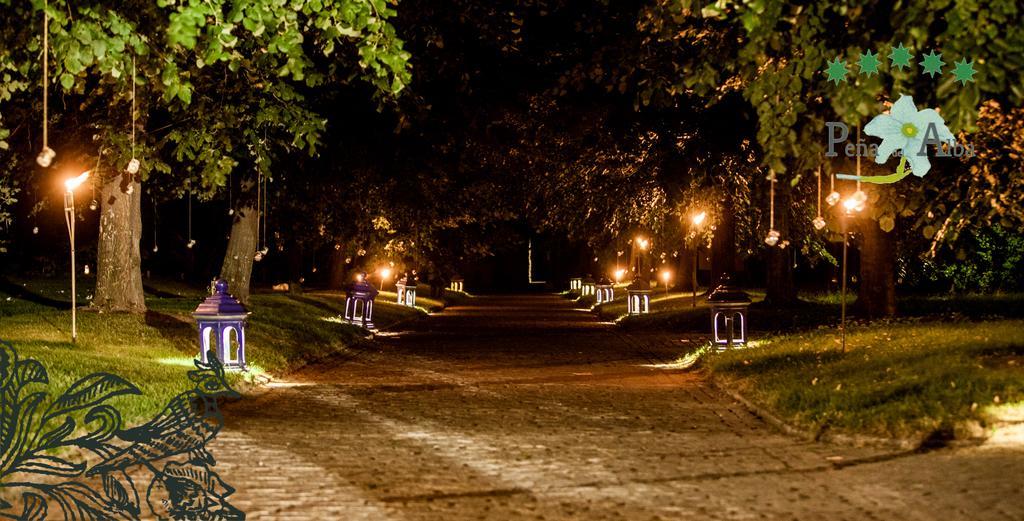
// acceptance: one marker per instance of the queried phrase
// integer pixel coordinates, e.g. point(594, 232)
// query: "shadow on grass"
point(171, 327)
point(18, 291)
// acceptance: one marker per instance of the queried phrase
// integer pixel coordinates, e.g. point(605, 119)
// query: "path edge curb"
point(823, 435)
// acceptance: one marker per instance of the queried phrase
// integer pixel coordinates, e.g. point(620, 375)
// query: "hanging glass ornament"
point(258, 256)
point(231, 211)
point(156, 248)
point(265, 250)
point(86, 269)
point(94, 205)
point(35, 230)
point(819, 222)
point(772, 239)
point(133, 166)
point(832, 198)
point(860, 198)
point(45, 157)
point(191, 243)
point(783, 244)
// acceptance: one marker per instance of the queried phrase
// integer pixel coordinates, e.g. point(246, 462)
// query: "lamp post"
point(853, 204)
point(643, 244)
point(666, 276)
point(69, 219)
point(385, 274)
point(697, 220)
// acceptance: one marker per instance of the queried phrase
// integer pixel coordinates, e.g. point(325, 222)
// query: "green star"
point(932, 63)
point(869, 63)
point(900, 57)
point(964, 71)
point(836, 71)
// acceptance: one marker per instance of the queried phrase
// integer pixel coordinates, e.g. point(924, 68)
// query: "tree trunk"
point(723, 245)
point(118, 261)
point(684, 277)
point(237, 266)
point(877, 293)
point(336, 278)
point(781, 290)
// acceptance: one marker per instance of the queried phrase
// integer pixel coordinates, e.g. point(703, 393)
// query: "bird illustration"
point(185, 425)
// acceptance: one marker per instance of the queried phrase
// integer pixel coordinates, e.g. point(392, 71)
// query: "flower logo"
point(907, 131)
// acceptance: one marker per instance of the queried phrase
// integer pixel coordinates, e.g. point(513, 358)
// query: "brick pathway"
point(523, 408)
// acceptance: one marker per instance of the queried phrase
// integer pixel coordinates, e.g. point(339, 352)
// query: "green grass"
point(155, 351)
point(675, 311)
point(896, 379)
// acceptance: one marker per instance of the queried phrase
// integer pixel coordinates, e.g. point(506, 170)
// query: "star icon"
point(869, 63)
point(900, 57)
point(932, 63)
point(964, 71)
point(836, 71)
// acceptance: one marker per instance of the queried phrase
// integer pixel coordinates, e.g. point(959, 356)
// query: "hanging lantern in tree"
point(359, 302)
point(728, 305)
point(605, 291)
point(221, 320)
point(588, 286)
point(406, 287)
point(638, 297)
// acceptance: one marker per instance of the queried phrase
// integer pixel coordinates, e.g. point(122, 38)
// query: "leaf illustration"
point(56, 436)
point(35, 507)
point(89, 391)
point(110, 422)
point(51, 465)
point(81, 502)
point(115, 490)
point(16, 443)
point(31, 371)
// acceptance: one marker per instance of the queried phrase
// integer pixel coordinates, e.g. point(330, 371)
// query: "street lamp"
point(642, 243)
point(69, 219)
point(697, 221)
point(851, 205)
point(385, 274)
point(666, 276)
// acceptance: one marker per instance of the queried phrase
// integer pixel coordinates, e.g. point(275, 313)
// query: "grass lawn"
point(154, 351)
point(896, 379)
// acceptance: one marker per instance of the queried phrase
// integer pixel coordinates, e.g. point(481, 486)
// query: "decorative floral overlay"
point(70, 455)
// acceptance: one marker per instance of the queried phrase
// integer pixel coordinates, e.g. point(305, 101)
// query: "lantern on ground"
point(221, 321)
point(638, 297)
point(359, 302)
point(605, 291)
point(588, 287)
point(575, 284)
point(728, 314)
point(407, 289)
point(456, 283)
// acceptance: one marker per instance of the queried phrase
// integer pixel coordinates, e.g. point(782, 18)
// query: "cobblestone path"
point(524, 408)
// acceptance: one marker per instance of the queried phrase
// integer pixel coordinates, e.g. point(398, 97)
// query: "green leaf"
point(67, 81)
point(887, 223)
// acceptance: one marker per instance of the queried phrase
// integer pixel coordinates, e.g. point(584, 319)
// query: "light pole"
point(853, 204)
point(697, 221)
point(643, 244)
point(69, 219)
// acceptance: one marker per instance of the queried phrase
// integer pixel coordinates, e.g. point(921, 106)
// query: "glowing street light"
point(619, 273)
point(666, 276)
point(699, 218)
point(69, 218)
point(697, 221)
point(853, 204)
point(385, 275)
